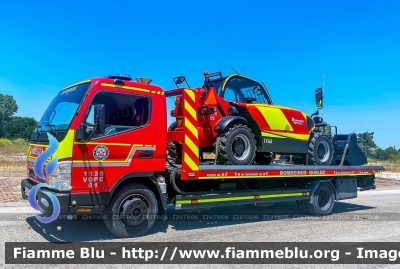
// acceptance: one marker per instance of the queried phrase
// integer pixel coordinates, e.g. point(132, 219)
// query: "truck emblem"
point(100, 152)
point(36, 151)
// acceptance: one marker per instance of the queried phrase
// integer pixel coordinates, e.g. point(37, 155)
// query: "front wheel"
point(236, 145)
point(132, 211)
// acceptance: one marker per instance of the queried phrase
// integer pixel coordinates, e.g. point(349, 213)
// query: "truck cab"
point(107, 130)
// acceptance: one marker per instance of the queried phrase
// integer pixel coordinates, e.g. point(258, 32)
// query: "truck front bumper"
point(63, 198)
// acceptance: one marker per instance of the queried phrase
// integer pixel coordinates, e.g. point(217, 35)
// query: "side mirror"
point(319, 97)
point(100, 118)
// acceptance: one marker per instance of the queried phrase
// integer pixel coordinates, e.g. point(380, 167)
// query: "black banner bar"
point(202, 253)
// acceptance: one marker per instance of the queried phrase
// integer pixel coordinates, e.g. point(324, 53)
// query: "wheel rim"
point(133, 211)
point(323, 151)
point(241, 147)
point(323, 199)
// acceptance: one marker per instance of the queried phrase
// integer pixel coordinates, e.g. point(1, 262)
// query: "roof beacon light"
point(120, 76)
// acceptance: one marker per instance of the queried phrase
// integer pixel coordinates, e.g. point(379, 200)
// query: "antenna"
point(323, 88)
point(235, 70)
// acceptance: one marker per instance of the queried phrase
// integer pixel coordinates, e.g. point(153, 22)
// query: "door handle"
point(145, 154)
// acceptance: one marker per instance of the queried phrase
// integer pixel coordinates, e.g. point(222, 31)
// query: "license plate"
point(27, 190)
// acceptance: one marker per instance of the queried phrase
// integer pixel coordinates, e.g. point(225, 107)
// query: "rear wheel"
point(320, 150)
point(236, 145)
point(323, 200)
point(132, 211)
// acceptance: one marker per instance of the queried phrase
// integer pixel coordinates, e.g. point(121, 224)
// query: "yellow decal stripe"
point(271, 106)
point(303, 137)
point(193, 166)
point(114, 161)
point(191, 145)
point(239, 198)
point(124, 87)
point(99, 143)
point(265, 134)
point(275, 118)
point(64, 150)
point(65, 147)
point(191, 128)
point(76, 84)
point(190, 93)
point(190, 109)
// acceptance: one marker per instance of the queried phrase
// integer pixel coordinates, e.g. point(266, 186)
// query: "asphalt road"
point(374, 216)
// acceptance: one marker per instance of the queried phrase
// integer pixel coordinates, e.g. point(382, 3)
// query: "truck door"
point(126, 147)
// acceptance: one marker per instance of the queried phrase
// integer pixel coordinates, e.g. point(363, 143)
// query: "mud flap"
point(346, 188)
point(366, 182)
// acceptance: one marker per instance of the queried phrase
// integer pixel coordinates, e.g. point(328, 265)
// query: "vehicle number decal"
point(92, 178)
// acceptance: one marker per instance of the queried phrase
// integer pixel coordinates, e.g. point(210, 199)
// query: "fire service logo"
point(100, 152)
point(49, 169)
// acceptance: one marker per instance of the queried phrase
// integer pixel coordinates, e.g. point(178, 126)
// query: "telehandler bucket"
point(347, 151)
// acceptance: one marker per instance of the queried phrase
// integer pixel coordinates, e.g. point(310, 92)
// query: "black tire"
point(236, 145)
point(175, 152)
point(174, 148)
point(323, 200)
point(320, 150)
point(264, 157)
point(140, 206)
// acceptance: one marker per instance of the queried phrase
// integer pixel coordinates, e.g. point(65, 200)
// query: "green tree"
point(8, 107)
point(19, 127)
point(391, 154)
point(366, 142)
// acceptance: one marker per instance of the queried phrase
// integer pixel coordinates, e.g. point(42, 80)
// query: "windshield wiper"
point(52, 132)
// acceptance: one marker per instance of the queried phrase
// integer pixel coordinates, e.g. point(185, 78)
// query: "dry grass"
point(389, 166)
point(13, 157)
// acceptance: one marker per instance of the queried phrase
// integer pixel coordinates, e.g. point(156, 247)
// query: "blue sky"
point(46, 46)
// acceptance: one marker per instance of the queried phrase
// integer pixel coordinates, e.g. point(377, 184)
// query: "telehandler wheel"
point(323, 200)
point(132, 211)
point(264, 157)
point(320, 150)
point(236, 145)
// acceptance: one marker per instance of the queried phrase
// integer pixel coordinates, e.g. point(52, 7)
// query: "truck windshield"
point(62, 109)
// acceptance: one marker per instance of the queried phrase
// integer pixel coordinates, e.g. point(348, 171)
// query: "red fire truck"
point(112, 159)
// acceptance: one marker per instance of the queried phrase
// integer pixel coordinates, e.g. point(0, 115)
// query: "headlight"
point(61, 178)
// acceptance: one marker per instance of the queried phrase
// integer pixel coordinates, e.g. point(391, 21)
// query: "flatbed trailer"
point(344, 181)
